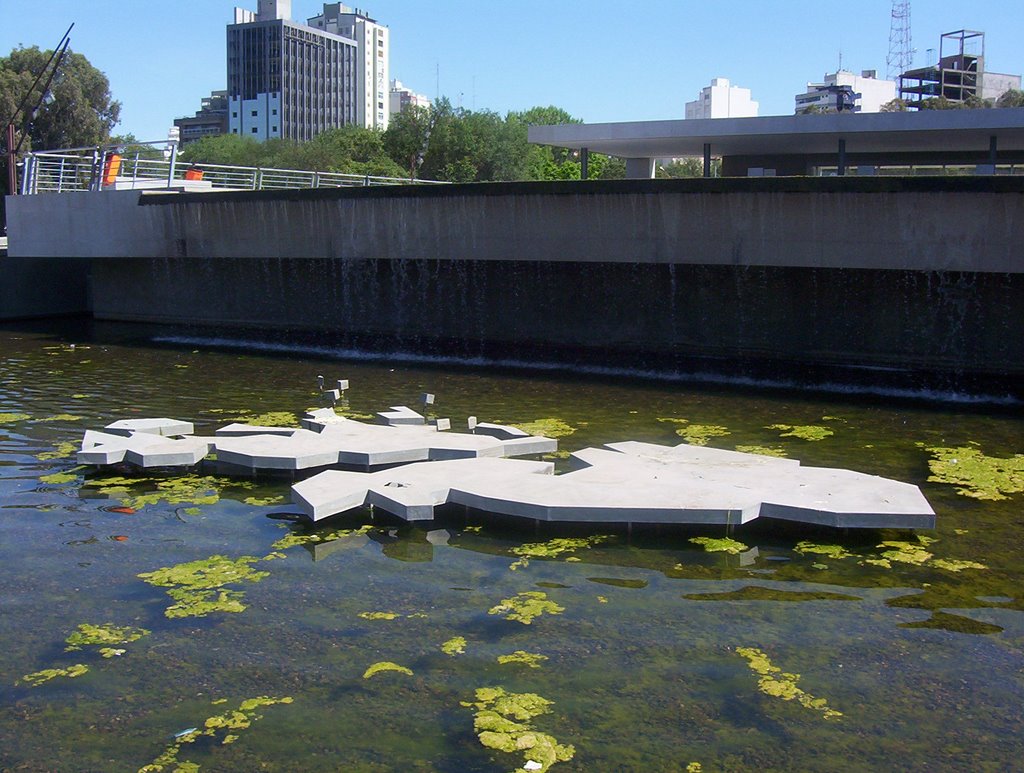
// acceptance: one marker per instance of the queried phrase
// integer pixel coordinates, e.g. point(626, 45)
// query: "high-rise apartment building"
point(372, 41)
point(722, 100)
point(403, 98)
point(293, 80)
point(864, 93)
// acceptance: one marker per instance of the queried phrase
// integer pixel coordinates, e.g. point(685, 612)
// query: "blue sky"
point(600, 60)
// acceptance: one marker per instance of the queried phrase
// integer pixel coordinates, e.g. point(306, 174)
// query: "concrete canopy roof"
point(920, 131)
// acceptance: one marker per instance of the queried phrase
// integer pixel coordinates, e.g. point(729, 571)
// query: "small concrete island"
point(680, 424)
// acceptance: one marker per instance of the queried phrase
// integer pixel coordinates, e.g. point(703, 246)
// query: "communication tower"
point(899, 59)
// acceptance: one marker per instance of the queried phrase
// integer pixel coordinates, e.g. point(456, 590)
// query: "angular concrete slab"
point(399, 415)
point(165, 427)
point(634, 483)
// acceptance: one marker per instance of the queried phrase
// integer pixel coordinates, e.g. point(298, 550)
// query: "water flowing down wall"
point(870, 274)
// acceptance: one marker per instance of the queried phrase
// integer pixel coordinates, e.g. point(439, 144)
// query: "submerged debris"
point(197, 587)
point(697, 434)
point(779, 684)
point(386, 665)
point(503, 722)
point(803, 431)
point(975, 474)
point(722, 545)
point(525, 606)
point(41, 677)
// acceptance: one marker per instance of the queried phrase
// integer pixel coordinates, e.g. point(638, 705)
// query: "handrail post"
point(97, 171)
point(170, 168)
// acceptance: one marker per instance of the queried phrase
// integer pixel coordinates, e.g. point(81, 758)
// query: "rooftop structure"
point(842, 90)
point(722, 100)
point(801, 144)
point(958, 76)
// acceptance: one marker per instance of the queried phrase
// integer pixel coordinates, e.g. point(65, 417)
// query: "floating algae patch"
point(265, 501)
point(102, 636)
point(111, 652)
point(271, 419)
point(553, 548)
point(61, 451)
point(11, 418)
point(295, 538)
point(759, 593)
point(916, 554)
point(905, 552)
point(528, 659)
point(454, 646)
point(42, 677)
point(802, 431)
point(227, 723)
point(197, 587)
point(779, 684)
point(955, 565)
point(385, 665)
point(62, 417)
point(975, 474)
point(57, 478)
point(181, 490)
point(836, 552)
point(955, 623)
point(503, 721)
point(720, 545)
point(378, 615)
point(778, 453)
point(525, 606)
point(561, 453)
point(697, 434)
point(550, 428)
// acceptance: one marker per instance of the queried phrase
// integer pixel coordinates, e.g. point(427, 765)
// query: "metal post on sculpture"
point(707, 159)
point(584, 163)
point(12, 158)
point(173, 163)
point(841, 166)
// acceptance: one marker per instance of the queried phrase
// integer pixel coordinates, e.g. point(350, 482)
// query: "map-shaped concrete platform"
point(626, 483)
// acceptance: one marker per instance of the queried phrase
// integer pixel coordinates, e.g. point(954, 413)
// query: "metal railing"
point(155, 165)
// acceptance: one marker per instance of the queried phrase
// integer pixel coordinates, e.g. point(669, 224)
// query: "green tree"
point(688, 167)
point(1011, 98)
point(894, 106)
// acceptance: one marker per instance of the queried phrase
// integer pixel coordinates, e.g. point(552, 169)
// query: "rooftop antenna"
point(900, 55)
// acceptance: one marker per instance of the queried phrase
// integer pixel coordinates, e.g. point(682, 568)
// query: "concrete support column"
point(992, 146)
point(841, 170)
point(639, 168)
point(584, 163)
point(707, 159)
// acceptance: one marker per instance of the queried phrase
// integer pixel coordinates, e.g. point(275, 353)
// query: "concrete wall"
point(43, 287)
point(864, 273)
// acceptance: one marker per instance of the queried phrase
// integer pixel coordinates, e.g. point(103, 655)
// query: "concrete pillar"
point(584, 163)
point(707, 159)
point(639, 168)
point(841, 170)
point(992, 146)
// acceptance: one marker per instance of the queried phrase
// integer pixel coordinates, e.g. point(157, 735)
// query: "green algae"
point(454, 646)
point(62, 417)
point(803, 431)
point(229, 723)
point(181, 490)
point(956, 565)
point(11, 418)
point(60, 451)
point(269, 419)
point(561, 453)
point(385, 665)
point(697, 434)
point(759, 593)
point(720, 545)
point(905, 552)
point(778, 453)
point(295, 538)
point(553, 548)
point(378, 615)
point(37, 678)
point(975, 474)
point(197, 586)
point(956, 623)
point(779, 684)
point(503, 721)
point(528, 659)
point(526, 606)
point(835, 552)
point(550, 428)
point(111, 652)
point(602, 599)
point(88, 635)
point(57, 478)
point(265, 501)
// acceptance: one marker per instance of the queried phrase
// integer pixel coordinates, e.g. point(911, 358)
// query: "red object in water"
point(119, 538)
point(125, 510)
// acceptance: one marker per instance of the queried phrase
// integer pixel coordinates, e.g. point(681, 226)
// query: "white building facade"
point(402, 98)
point(722, 100)
point(874, 92)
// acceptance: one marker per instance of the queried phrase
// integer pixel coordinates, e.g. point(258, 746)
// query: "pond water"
point(361, 645)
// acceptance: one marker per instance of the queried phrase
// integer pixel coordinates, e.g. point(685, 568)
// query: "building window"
point(255, 113)
point(254, 130)
point(234, 114)
point(234, 131)
point(274, 129)
point(274, 111)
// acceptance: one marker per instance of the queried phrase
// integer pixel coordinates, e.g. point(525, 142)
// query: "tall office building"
point(722, 100)
point(371, 39)
point(293, 80)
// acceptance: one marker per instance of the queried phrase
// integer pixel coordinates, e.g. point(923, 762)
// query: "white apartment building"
point(874, 92)
point(402, 97)
point(373, 101)
point(722, 100)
